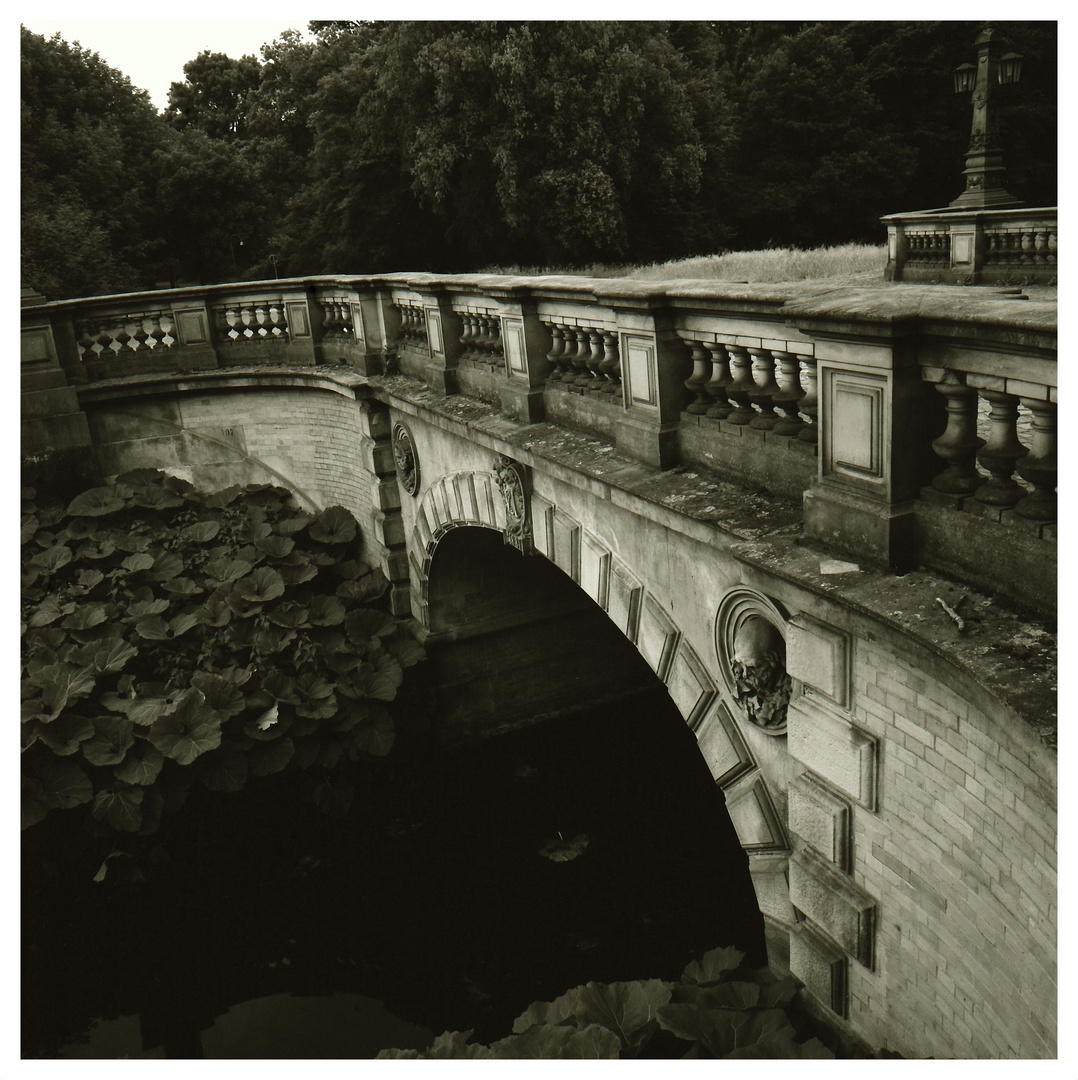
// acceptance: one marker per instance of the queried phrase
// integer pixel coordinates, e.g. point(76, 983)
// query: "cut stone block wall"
point(956, 848)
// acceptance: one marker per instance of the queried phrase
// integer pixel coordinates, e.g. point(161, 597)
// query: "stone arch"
point(472, 498)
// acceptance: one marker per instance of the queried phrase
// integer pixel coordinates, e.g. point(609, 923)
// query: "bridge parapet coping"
point(879, 388)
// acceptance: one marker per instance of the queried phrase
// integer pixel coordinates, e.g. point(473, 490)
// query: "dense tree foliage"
point(447, 146)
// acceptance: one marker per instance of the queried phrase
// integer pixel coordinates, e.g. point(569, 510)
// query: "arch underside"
point(473, 499)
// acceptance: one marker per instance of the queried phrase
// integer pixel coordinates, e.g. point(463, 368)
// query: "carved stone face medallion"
point(510, 479)
point(406, 459)
point(762, 687)
point(751, 650)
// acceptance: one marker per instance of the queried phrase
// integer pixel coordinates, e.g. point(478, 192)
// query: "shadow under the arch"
point(548, 725)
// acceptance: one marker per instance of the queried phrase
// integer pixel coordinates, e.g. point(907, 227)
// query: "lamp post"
point(984, 157)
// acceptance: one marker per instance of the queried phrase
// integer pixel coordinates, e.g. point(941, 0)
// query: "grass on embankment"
point(852, 264)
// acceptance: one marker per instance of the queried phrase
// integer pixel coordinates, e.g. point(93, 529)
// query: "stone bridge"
point(823, 520)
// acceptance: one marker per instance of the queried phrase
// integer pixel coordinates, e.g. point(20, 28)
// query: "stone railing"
point(863, 403)
point(973, 247)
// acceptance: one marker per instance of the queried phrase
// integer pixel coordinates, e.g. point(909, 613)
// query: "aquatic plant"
point(717, 1010)
point(173, 638)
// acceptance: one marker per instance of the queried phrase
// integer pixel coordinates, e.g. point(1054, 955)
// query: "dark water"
point(257, 927)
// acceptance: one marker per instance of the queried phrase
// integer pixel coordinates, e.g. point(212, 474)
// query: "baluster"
point(115, 345)
point(763, 371)
point(959, 443)
point(557, 351)
point(479, 355)
point(1052, 243)
point(275, 321)
point(741, 386)
point(611, 365)
point(809, 405)
point(1026, 241)
point(164, 320)
point(698, 379)
point(991, 255)
point(590, 378)
point(489, 341)
point(1040, 247)
point(1038, 467)
point(788, 396)
point(467, 334)
point(580, 357)
point(1002, 450)
point(86, 343)
point(247, 316)
point(260, 319)
point(720, 408)
point(142, 332)
point(494, 337)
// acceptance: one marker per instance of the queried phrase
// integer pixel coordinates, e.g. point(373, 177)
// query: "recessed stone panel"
point(513, 344)
point(192, 327)
point(434, 331)
point(691, 687)
point(567, 544)
point(853, 446)
point(299, 325)
point(638, 368)
point(543, 526)
point(753, 814)
point(657, 637)
point(465, 485)
point(821, 819)
point(819, 656)
point(834, 749)
point(821, 966)
point(594, 568)
point(36, 346)
point(723, 746)
point(771, 880)
point(833, 902)
point(623, 599)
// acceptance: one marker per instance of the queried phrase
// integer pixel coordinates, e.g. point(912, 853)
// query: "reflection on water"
point(281, 1026)
point(437, 895)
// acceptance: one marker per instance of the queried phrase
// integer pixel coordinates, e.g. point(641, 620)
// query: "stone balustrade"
point(973, 247)
point(861, 403)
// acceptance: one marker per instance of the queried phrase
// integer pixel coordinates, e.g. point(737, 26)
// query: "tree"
point(87, 195)
point(552, 142)
point(215, 95)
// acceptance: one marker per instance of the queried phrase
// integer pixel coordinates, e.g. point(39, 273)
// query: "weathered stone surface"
point(821, 819)
point(723, 746)
point(821, 966)
point(834, 903)
point(832, 747)
point(819, 656)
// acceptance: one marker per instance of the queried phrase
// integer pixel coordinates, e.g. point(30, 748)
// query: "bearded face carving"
point(758, 665)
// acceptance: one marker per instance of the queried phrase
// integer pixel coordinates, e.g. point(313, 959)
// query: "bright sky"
point(151, 53)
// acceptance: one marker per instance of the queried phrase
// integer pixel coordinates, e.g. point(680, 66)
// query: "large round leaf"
point(63, 784)
point(66, 733)
point(120, 806)
point(191, 729)
point(34, 807)
point(260, 585)
point(86, 616)
point(141, 769)
point(326, 611)
point(113, 736)
point(334, 525)
point(221, 694)
point(95, 503)
point(53, 558)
